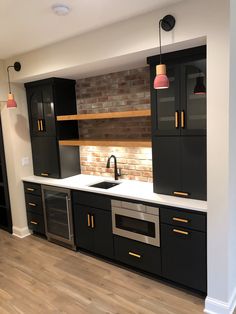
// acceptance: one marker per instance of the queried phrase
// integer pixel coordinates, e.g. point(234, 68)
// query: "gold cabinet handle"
point(38, 125)
point(182, 120)
point(176, 119)
point(180, 220)
point(180, 231)
point(92, 222)
point(180, 193)
point(44, 174)
point(33, 222)
point(41, 125)
point(135, 255)
point(30, 189)
point(88, 220)
point(32, 204)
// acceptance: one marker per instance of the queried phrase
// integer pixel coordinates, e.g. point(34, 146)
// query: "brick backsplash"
point(121, 91)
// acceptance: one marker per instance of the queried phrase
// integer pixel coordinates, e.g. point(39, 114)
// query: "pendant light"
point(161, 80)
point(200, 88)
point(11, 103)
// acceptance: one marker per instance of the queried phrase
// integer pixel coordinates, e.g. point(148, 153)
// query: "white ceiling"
point(30, 24)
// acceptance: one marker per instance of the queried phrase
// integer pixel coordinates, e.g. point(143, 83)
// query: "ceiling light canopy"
point(61, 9)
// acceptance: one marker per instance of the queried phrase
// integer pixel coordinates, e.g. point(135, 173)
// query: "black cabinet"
point(94, 230)
point(179, 166)
point(180, 110)
point(93, 226)
point(34, 207)
point(139, 255)
point(183, 248)
point(179, 125)
point(5, 209)
point(47, 99)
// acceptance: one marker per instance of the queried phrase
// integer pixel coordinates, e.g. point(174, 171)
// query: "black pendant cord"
point(160, 38)
point(9, 84)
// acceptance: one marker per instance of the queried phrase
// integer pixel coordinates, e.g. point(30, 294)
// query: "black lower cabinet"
point(93, 230)
point(34, 207)
point(53, 161)
point(179, 166)
point(137, 254)
point(184, 256)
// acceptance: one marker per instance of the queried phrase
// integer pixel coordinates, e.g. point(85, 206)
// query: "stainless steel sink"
point(104, 185)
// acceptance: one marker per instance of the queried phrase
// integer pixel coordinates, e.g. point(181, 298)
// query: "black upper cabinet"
point(41, 108)
point(179, 166)
point(45, 157)
point(179, 110)
point(47, 99)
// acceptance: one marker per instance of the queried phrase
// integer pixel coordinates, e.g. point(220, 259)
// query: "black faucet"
point(116, 171)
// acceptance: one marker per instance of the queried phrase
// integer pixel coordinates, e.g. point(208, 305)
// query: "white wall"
point(16, 139)
point(138, 37)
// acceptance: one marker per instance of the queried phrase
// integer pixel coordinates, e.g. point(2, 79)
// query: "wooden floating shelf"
point(107, 142)
point(106, 115)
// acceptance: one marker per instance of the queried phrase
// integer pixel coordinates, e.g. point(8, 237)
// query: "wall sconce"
point(161, 80)
point(11, 103)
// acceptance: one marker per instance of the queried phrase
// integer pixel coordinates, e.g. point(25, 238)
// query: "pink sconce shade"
point(11, 103)
point(161, 80)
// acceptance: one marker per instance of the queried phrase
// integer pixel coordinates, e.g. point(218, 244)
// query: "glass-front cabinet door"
point(193, 98)
point(166, 109)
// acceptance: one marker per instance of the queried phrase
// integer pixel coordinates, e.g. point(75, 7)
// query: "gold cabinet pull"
point(38, 125)
point(33, 222)
point(30, 189)
point(135, 255)
point(41, 125)
point(88, 220)
point(92, 222)
point(182, 120)
point(44, 174)
point(180, 220)
point(181, 193)
point(32, 204)
point(176, 119)
point(180, 231)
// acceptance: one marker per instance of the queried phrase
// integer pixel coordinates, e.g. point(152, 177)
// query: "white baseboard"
point(214, 306)
point(21, 232)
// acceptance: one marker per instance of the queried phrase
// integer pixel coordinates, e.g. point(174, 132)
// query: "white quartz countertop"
point(136, 190)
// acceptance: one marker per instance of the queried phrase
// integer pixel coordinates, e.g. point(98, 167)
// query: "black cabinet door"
point(166, 105)
point(103, 237)
point(184, 256)
point(45, 156)
point(166, 164)
point(82, 227)
point(41, 111)
point(194, 180)
point(193, 97)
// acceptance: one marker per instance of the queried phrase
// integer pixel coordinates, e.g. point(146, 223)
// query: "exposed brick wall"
point(121, 91)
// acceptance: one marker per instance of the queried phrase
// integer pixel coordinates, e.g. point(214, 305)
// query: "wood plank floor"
point(40, 277)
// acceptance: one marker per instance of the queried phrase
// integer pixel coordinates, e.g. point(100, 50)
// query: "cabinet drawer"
point(92, 200)
point(180, 218)
point(184, 256)
point(32, 188)
point(36, 222)
point(34, 203)
point(137, 254)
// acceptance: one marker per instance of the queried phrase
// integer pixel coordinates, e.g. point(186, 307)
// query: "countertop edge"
point(150, 197)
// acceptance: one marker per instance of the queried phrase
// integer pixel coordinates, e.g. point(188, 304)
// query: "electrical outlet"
point(24, 161)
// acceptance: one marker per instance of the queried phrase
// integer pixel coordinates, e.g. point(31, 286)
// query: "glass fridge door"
point(57, 212)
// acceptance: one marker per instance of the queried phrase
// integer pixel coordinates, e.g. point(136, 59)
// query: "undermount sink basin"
point(104, 185)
